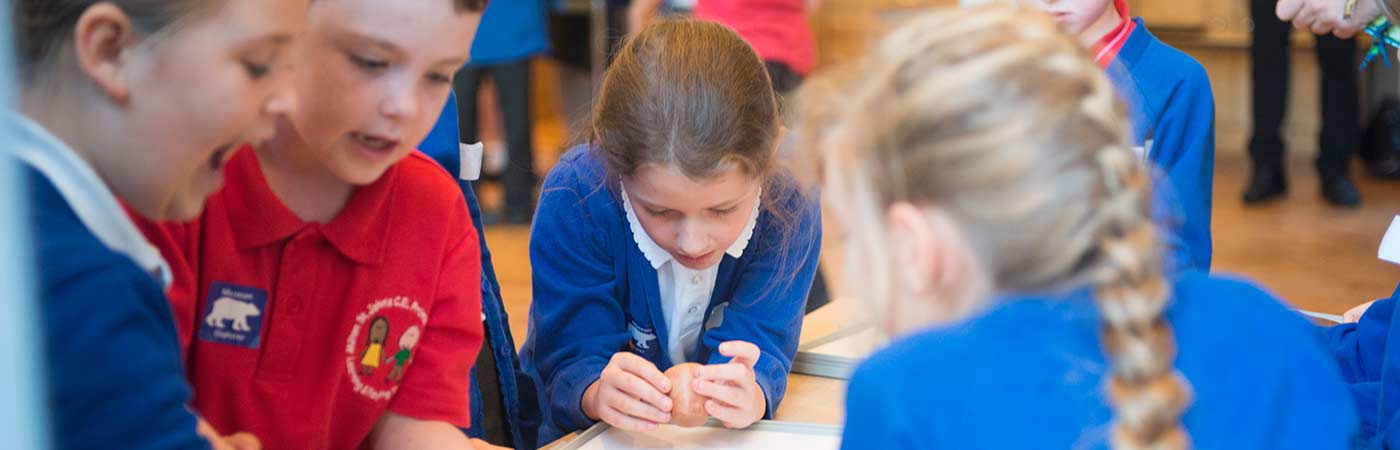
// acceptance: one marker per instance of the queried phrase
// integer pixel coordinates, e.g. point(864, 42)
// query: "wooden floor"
point(1313, 255)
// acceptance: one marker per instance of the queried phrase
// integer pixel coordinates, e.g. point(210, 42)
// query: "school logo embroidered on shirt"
point(643, 340)
point(233, 315)
point(381, 345)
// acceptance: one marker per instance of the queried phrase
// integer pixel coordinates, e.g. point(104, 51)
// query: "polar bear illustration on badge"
point(227, 308)
point(641, 340)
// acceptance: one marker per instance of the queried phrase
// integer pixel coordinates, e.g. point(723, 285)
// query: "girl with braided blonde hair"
point(977, 158)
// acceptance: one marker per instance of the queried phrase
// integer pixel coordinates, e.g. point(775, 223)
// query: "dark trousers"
point(1336, 59)
point(513, 89)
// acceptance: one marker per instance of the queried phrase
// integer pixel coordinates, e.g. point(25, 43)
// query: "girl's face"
point(194, 95)
point(1075, 16)
point(694, 221)
point(379, 75)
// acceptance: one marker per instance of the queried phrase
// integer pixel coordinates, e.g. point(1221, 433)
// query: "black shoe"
point(1380, 147)
point(1339, 191)
point(1266, 183)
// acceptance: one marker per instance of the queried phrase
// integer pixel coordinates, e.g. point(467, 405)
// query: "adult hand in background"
point(1328, 16)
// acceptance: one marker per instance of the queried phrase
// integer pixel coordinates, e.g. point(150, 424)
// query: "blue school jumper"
point(1173, 117)
point(595, 293)
point(114, 367)
point(1029, 374)
point(1363, 350)
point(517, 388)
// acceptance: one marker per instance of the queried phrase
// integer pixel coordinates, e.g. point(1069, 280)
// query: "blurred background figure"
point(512, 32)
point(777, 30)
point(1336, 59)
point(575, 27)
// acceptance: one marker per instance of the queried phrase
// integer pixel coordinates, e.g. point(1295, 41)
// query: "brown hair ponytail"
point(690, 94)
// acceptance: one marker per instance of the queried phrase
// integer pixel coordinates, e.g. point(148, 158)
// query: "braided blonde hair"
point(994, 116)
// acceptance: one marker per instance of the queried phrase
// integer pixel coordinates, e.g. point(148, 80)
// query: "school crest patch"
point(233, 315)
point(643, 340)
point(381, 345)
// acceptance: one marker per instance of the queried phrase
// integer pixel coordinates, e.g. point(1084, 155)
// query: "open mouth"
point(221, 157)
point(374, 143)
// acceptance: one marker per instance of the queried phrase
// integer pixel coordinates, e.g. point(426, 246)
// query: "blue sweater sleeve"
point(576, 318)
point(767, 305)
point(1359, 348)
point(1315, 408)
point(1361, 351)
point(114, 362)
point(1183, 150)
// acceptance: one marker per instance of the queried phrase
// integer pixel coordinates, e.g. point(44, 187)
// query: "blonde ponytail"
point(995, 116)
point(1147, 393)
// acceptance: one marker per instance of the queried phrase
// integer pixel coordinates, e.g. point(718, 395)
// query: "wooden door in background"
point(845, 28)
point(1177, 14)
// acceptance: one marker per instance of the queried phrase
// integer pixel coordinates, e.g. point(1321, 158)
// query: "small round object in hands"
point(688, 408)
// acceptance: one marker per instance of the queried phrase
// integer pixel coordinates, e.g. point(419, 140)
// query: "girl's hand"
point(630, 394)
point(734, 396)
point(1354, 314)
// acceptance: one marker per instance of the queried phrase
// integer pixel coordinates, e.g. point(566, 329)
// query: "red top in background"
point(777, 29)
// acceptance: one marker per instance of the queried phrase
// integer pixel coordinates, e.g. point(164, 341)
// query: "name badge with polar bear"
point(233, 315)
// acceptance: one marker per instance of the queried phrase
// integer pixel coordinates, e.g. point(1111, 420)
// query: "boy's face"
point(1075, 16)
point(379, 72)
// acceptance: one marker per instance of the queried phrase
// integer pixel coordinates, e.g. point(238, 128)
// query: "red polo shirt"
point(304, 333)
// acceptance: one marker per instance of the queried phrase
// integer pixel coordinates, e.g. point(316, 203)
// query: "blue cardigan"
point(595, 294)
point(114, 368)
point(1364, 351)
point(1029, 374)
point(1173, 116)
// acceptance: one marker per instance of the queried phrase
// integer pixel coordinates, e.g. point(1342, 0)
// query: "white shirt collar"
point(86, 194)
point(658, 256)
